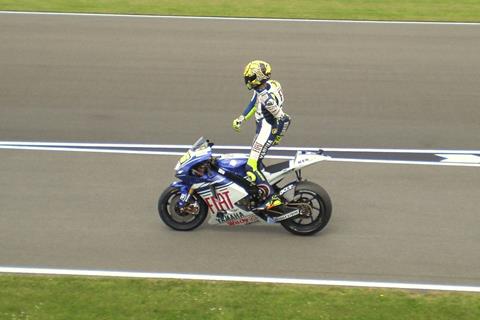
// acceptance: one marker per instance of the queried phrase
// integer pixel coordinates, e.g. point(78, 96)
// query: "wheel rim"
point(313, 209)
point(175, 213)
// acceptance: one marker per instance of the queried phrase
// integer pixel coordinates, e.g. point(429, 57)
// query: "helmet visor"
point(249, 81)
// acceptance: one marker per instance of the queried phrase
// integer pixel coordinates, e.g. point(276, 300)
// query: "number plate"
point(185, 158)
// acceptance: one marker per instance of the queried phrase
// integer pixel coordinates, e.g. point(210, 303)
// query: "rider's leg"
point(261, 143)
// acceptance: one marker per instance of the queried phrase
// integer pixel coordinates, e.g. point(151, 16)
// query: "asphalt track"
point(114, 79)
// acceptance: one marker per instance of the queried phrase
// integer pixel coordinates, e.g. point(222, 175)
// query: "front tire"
point(317, 209)
point(176, 218)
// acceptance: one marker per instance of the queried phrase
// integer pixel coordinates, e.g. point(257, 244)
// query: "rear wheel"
point(315, 209)
point(183, 219)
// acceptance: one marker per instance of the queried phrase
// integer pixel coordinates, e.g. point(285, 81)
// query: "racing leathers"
point(271, 124)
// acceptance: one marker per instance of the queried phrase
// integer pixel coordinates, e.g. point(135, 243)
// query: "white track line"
point(13, 144)
point(92, 150)
point(168, 153)
point(180, 276)
point(237, 18)
point(88, 144)
point(426, 163)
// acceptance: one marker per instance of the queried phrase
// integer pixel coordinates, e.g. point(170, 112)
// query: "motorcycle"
point(215, 186)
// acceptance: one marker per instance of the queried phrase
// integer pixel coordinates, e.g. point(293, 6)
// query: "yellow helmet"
point(256, 73)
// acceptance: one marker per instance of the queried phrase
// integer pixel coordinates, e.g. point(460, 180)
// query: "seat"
point(277, 167)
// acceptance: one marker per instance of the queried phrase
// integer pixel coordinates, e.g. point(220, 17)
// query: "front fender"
point(178, 185)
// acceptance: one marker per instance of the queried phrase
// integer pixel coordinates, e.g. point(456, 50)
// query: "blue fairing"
point(235, 165)
point(184, 171)
point(199, 153)
point(211, 179)
point(183, 187)
point(177, 184)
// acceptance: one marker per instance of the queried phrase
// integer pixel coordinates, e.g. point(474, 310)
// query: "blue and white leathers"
point(271, 122)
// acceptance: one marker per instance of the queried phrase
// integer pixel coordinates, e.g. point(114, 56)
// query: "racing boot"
point(254, 175)
point(272, 202)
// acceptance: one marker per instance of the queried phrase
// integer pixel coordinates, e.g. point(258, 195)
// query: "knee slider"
point(251, 176)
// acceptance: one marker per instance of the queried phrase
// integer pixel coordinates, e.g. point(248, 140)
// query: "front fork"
point(185, 193)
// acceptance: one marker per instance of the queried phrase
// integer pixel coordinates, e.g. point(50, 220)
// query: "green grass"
point(47, 297)
point(420, 10)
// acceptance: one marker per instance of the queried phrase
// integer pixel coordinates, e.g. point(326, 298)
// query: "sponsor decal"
point(286, 189)
point(244, 220)
point(268, 144)
point(227, 217)
point(257, 147)
point(286, 216)
point(221, 202)
point(303, 160)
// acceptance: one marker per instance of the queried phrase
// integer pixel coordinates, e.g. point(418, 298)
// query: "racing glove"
point(282, 124)
point(281, 128)
point(237, 123)
point(277, 140)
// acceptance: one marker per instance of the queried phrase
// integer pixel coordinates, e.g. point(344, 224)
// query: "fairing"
point(221, 194)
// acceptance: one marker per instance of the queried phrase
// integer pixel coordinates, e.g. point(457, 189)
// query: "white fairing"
point(302, 159)
point(225, 198)
point(224, 201)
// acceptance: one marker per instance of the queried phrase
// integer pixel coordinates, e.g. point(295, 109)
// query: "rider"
point(272, 122)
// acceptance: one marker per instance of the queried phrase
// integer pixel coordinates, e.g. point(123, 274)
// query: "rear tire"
point(172, 216)
point(317, 209)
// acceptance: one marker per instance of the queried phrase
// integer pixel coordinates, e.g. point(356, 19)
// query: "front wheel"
point(315, 209)
point(183, 219)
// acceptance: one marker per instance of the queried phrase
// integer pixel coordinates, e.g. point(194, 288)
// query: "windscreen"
point(200, 144)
